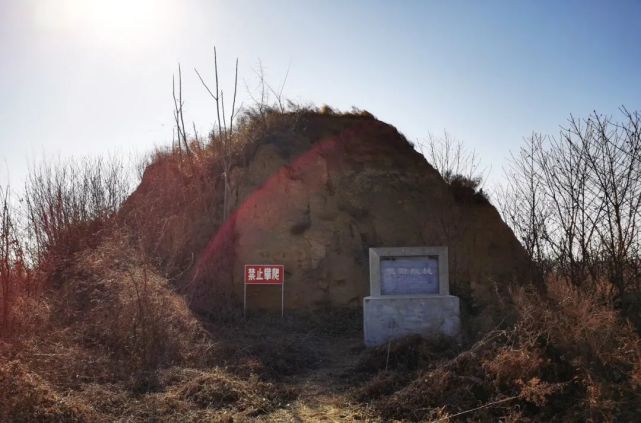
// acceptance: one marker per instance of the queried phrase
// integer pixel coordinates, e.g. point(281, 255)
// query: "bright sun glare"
point(112, 22)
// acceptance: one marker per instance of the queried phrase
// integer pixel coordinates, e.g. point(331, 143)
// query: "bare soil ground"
point(323, 392)
point(313, 359)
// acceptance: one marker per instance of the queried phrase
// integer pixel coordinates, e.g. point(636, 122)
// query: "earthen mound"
point(314, 192)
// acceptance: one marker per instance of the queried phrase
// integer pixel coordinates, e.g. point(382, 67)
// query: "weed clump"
point(24, 396)
point(217, 389)
point(128, 311)
point(211, 391)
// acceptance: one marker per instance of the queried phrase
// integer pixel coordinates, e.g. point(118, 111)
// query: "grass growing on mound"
point(115, 302)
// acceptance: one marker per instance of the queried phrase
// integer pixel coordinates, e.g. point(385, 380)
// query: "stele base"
point(390, 317)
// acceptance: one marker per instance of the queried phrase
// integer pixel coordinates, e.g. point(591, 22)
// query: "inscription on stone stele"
point(409, 295)
point(409, 275)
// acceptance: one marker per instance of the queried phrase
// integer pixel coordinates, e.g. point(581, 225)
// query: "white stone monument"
point(409, 294)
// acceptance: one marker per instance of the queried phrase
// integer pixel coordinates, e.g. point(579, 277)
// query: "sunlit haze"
point(119, 24)
point(83, 77)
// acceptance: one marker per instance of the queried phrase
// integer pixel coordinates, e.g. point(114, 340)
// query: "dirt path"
point(323, 391)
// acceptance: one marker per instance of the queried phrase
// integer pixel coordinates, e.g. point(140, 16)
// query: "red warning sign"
point(264, 274)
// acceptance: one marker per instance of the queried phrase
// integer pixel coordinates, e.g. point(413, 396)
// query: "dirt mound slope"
point(314, 192)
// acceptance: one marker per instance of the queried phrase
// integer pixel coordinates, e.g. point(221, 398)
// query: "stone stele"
point(409, 294)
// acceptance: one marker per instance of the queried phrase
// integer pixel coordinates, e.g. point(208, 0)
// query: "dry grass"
point(567, 358)
point(216, 389)
point(113, 300)
point(26, 397)
point(113, 340)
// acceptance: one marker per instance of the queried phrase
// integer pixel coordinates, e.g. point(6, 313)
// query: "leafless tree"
point(522, 201)
point(225, 132)
point(575, 200)
point(613, 157)
point(6, 241)
point(14, 274)
point(178, 113)
point(268, 97)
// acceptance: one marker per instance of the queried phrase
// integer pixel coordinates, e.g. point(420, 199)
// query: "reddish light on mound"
point(272, 193)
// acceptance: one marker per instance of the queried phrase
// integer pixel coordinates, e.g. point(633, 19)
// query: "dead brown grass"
point(216, 389)
point(113, 300)
point(114, 339)
point(26, 397)
point(568, 358)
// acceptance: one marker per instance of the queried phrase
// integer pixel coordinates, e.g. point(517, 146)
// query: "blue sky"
point(82, 77)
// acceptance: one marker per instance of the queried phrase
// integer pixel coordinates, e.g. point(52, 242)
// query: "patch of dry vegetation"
point(116, 341)
point(567, 358)
point(96, 329)
point(25, 397)
point(216, 389)
point(112, 299)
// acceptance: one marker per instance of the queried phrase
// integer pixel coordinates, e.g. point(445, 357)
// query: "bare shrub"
point(567, 357)
point(459, 167)
point(452, 160)
point(215, 389)
point(128, 309)
point(179, 116)
point(575, 201)
point(16, 279)
point(522, 203)
point(68, 203)
point(212, 390)
point(223, 133)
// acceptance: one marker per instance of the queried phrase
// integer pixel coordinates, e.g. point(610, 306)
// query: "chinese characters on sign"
point(410, 275)
point(272, 274)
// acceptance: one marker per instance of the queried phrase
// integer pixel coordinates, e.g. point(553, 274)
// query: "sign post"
point(265, 274)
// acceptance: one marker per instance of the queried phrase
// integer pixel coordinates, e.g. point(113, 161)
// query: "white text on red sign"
point(267, 274)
